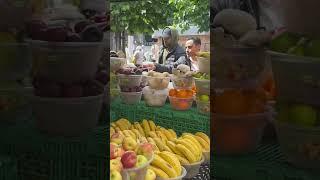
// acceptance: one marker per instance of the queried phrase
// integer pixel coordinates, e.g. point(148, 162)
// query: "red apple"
point(115, 164)
point(145, 149)
point(129, 159)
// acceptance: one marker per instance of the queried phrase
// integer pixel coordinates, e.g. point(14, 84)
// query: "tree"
point(191, 12)
point(146, 16)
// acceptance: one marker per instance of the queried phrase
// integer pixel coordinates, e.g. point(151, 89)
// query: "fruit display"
point(154, 97)
point(172, 154)
point(182, 77)
point(203, 104)
point(181, 99)
point(158, 81)
point(239, 101)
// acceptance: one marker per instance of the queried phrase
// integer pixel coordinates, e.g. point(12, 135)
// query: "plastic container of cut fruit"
point(234, 135)
point(181, 104)
point(66, 61)
point(15, 61)
point(204, 65)
point(129, 80)
point(116, 63)
point(137, 172)
point(156, 98)
point(183, 175)
point(203, 86)
point(300, 79)
point(66, 116)
point(236, 67)
point(158, 83)
point(193, 169)
point(14, 105)
point(300, 144)
point(130, 97)
point(203, 107)
point(182, 82)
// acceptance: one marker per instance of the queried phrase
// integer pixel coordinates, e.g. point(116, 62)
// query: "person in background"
point(155, 48)
point(138, 56)
point(193, 46)
point(171, 54)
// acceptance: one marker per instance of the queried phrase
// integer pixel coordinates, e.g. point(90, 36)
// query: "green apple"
point(303, 114)
point(115, 175)
point(283, 42)
point(141, 160)
point(204, 98)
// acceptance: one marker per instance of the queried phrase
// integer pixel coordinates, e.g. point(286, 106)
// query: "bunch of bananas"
point(171, 151)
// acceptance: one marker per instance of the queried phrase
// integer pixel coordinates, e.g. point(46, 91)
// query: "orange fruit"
point(231, 102)
point(172, 92)
point(182, 94)
point(190, 93)
point(183, 105)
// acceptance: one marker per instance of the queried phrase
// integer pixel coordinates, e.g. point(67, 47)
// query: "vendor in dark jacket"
point(171, 53)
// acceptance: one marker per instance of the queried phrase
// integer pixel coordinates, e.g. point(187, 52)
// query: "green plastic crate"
point(8, 169)
point(180, 121)
point(267, 163)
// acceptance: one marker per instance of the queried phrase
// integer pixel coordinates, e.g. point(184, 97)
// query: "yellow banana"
point(194, 140)
point(126, 133)
point(138, 126)
point(121, 124)
point(164, 165)
point(112, 130)
point(182, 160)
point(162, 136)
point(154, 144)
point(142, 139)
point(152, 126)
point(146, 127)
point(137, 133)
point(113, 125)
point(153, 134)
point(172, 146)
point(203, 136)
point(159, 172)
point(198, 152)
point(132, 134)
point(174, 134)
point(160, 144)
point(203, 143)
point(187, 153)
point(166, 148)
point(158, 128)
point(190, 146)
point(127, 122)
point(167, 134)
point(118, 129)
point(172, 160)
point(120, 132)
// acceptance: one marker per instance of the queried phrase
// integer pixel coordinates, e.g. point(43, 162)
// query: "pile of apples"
point(170, 151)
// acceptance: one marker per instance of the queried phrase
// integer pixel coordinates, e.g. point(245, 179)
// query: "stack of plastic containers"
point(240, 110)
point(67, 98)
point(156, 93)
point(202, 82)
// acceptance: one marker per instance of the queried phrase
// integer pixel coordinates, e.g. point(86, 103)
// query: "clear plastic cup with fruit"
point(202, 83)
point(181, 99)
point(158, 81)
point(155, 98)
point(203, 104)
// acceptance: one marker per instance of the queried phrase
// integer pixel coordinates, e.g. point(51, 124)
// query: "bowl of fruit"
point(203, 104)
point(131, 97)
point(297, 126)
point(204, 62)
point(299, 56)
point(202, 82)
point(131, 158)
point(65, 50)
point(181, 99)
point(182, 77)
point(158, 81)
point(116, 63)
point(238, 134)
point(154, 97)
point(66, 109)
